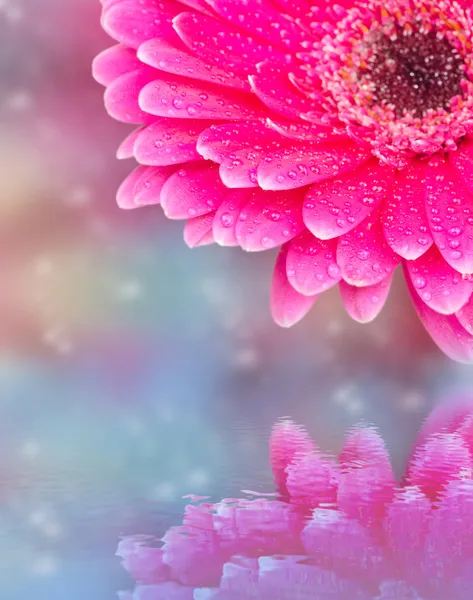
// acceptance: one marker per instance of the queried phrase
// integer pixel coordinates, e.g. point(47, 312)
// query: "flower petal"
point(173, 96)
point(192, 191)
point(364, 304)
point(287, 306)
point(198, 231)
point(437, 283)
point(223, 44)
point(132, 23)
point(449, 207)
point(259, 17)
point(405, 224)
point(125, 193)
point(269, 219)
point(179, 61)
point(114, 62)
point(333, 207)
point(126, 148)
point(465, 315)
point(311, 266)
point(364, 255)
point(301, 165)
point(446, 330)
point(227, 215)
point(143, 187)
point(306, 132)
point(239, 148)
point(169, 141)
point(462, 160)
point(121, 96)
point(274, 89)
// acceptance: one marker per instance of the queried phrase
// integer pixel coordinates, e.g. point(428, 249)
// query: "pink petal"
point(143, 187)
point(364, 255)
point(465, 316)
point(260, 18)
point(132, 23)
point(437, 283)
point(450, 212)
point(462, 161)
point(301, 165)
point(149, 186)
point(287, 306)
point(200, 5)
point(125, 193)
point(306, 132)
point(269, 219)
point(220, 142)
point(239, 148)
point(274, 89)
point(296, 8)
point(404, 218)
point(311, 266)
point(174, 96)
point(443, 458)
point(114, 62)
point(126, 148)
point(223, 44)
point(446, 330)
point(121, 96)
point(179, 61)
point(192, 191)
point(335, 206)
point(198, 231)
point(169, 141)
point(227, 215)
point(288, 443)
point(312, 481)
point(363, 304)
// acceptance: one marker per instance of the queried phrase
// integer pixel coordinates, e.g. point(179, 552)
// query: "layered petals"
point(315, 138)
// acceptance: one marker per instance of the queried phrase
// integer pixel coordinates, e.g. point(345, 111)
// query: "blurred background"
point(132, 369)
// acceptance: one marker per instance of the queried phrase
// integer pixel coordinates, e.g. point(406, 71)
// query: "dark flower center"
point(415, 72)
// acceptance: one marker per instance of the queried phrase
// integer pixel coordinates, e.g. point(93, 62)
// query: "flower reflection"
point(338, 528)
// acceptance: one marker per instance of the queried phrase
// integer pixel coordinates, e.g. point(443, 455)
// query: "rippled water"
point(88, 459)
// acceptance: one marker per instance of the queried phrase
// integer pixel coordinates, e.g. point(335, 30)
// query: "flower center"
point(400, 75)
point(414, 72)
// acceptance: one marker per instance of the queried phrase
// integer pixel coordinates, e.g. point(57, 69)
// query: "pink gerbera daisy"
point(342, 132)
point(342, 528)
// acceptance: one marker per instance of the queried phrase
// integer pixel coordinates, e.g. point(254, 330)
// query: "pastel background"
point(133, 370)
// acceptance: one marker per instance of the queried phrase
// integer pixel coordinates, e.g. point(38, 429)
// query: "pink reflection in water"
point(341, 528)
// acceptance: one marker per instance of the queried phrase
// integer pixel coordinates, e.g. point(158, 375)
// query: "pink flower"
point(342, 132)
point(342, 528)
